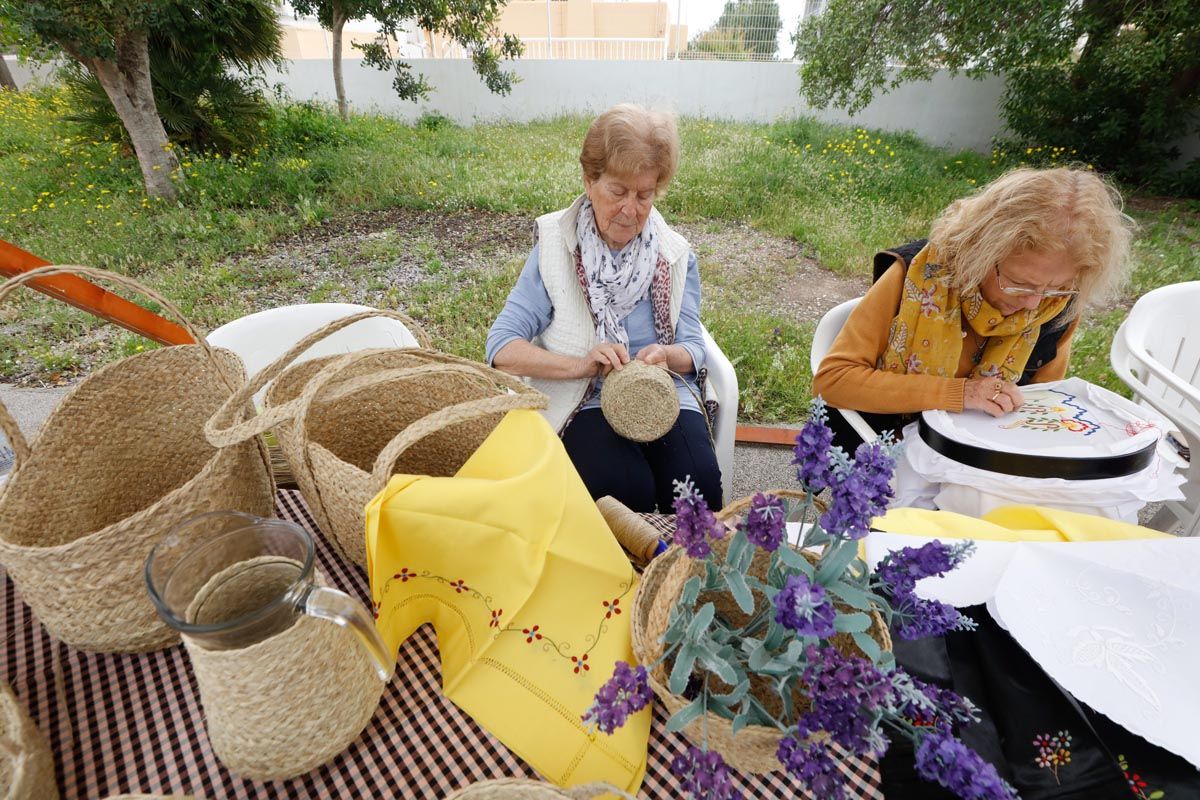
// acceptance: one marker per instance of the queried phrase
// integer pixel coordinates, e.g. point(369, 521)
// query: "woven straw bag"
point(754, 748)
point(119, 462)
point(519, 789)
point(346, 423)
point(26, 765)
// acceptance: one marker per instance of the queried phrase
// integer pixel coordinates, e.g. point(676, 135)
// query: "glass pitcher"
point(228, 580)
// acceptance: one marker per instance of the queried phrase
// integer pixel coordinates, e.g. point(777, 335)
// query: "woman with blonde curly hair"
point(608, 280)
point(988, 303)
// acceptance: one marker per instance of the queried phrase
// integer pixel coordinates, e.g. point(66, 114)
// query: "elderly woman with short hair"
point(988, 303)
point(608, 280)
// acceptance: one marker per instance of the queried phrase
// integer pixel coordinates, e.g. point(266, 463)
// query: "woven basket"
point(639, 401)
point(289, 703)
point(119, 462)
point(346, 423)
point(754, 748)
point(26, 765)
point(518, 789)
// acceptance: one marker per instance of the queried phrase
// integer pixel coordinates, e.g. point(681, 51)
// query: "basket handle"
point(222, 429)
point(430, 424)
point(11, 430)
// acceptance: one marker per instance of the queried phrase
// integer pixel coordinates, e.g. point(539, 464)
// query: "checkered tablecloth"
point(132, 723)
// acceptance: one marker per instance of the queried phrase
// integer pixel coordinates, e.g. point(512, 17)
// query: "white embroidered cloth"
point(1116, 624)
point(1070, 419)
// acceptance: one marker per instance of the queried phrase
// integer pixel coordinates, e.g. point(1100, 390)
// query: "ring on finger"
point(995, 395)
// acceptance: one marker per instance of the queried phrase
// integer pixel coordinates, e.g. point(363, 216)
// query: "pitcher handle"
point(340, 608)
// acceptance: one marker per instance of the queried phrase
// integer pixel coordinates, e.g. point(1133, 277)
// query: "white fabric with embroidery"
point(1066, 419)
point(1116, 624)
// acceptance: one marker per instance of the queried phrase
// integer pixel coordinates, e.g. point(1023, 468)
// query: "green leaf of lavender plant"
point(852, 623)
point(683, 716)
point(741, 721)
point(835, 560)
point(735, 696)
point(740, 591)
point(794, 559)
point(737, 545)
point(759, 656)
point(699, 624)
point(681, 672)
point(783, 686)
point(681, 616)
point(869, 646)
point(691, 591)
point(850, 595)
point(718, 666)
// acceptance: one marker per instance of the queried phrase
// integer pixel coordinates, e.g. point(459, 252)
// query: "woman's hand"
point(603, 359)
point(655, 355)
point(995, 396)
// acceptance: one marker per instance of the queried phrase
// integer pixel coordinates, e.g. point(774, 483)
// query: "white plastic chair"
point(1153, 354)
point(723, 387)
point(262, 337)
point(827, 330)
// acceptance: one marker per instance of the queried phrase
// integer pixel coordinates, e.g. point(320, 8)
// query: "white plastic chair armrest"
point(859, 424)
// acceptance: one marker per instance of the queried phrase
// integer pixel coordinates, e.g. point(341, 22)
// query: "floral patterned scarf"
point(614, 284)
point(926, 336)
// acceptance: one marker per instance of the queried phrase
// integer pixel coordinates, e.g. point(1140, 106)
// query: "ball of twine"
point(639, 401)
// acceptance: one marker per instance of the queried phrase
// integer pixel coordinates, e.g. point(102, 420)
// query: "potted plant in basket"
point(771, 656)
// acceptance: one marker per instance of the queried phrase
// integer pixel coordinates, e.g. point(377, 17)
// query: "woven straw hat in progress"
point(754, 747)
point(639, 401)
point(26, 766)
point(520, 789)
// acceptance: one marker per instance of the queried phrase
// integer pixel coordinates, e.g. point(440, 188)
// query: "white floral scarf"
point(615, 283)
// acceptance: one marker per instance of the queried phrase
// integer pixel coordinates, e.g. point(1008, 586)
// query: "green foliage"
point(748, 28)
point(1117, 82)
point(202, 58)
point(84, 28)
point(468, 23)
point(77, 199)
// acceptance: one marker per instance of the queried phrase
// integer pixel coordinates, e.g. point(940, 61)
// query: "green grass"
point(841, 192)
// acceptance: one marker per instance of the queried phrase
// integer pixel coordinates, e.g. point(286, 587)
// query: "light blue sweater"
point(528, 312)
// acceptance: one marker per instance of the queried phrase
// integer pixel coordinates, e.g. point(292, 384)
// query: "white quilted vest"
point(571, 331)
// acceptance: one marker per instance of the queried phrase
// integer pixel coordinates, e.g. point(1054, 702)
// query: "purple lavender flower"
point(847, 693)
point(918, 618)
point(814, 468)
point(945, 760)
point(694, 522)
point(861, 492)
point(703, 775)
point(801, 606)
point(928, 703)
point(765, 522)
point(900, 570)
point(813, 765)
point(626, 692)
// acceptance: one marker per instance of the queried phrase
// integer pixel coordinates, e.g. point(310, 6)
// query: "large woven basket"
point(120, 461)
point(520, 789)
point(26, 765)
point(346, 423)
point(754, 747)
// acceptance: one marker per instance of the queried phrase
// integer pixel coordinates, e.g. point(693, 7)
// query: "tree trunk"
point(6, 78)
point(339, 86)
point(127, 84)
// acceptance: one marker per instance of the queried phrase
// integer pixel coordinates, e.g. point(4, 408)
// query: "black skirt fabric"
point(1041, 740)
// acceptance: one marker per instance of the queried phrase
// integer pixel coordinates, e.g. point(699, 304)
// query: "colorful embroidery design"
point(1136, 784)
point(1052, 414)
point(532, 634)
point(1054, 752)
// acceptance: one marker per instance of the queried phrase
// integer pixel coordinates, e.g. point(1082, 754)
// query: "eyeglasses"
point(1025, 291)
